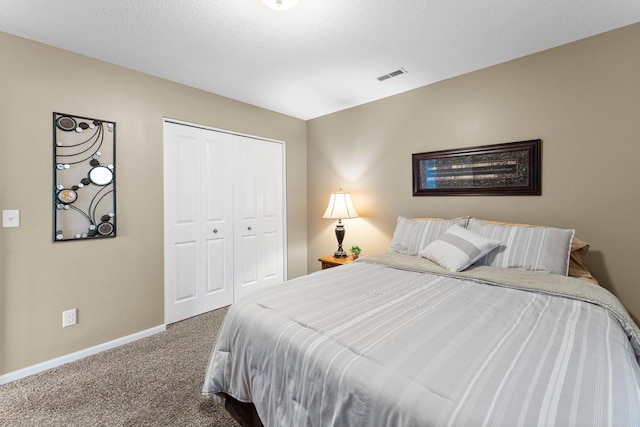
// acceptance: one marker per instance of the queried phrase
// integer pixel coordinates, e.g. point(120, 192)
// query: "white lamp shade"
point(280, 4)
point(340, 207)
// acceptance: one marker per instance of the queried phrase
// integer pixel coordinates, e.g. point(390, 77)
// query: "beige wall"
point(116, 284)
point(581, 99)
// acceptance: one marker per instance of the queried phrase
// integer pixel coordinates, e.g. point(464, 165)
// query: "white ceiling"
point(320, 57)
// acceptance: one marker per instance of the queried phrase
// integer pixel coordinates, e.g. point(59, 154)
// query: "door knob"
point(249, 228)
point(215, 230)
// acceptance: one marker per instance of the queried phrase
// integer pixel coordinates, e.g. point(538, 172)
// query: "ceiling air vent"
point(392, 74)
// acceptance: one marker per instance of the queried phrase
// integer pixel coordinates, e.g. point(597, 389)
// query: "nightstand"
point(331, 261)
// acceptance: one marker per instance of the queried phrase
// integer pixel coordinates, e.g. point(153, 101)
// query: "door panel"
point(217, 180)
point(217, 271)
point(186, 185)
point(186, 271)
point(198, 212)
point(270, 193)
point(272, 245)
point(246, 180)
point(259, 249)
point(248, 262)
point(217, 222)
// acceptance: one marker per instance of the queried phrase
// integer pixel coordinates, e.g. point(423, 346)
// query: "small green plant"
point(355, 250)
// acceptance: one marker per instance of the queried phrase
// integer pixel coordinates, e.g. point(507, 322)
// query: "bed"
point(424, 336)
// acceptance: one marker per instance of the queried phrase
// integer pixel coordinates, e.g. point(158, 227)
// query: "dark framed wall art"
point(510, 169)
point(84, 178)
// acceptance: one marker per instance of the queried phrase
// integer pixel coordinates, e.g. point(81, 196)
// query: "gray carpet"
point(155, 381)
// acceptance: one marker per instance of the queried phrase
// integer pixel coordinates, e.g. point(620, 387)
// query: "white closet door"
point(258, 214)
point(198, 209)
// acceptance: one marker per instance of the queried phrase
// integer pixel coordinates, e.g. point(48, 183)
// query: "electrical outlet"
point(69, 317)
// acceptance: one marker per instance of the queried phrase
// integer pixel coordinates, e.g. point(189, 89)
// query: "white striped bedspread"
point(367, 344)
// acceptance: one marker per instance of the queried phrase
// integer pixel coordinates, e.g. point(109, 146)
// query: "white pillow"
point(545, 249)
point(458, 248)
point(412, 235)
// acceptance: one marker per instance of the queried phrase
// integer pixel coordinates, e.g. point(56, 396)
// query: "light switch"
point(10, 218)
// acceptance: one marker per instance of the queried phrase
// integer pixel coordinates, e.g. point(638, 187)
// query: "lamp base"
point(340, 253)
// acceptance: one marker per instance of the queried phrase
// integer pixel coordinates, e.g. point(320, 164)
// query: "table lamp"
point(340, 207)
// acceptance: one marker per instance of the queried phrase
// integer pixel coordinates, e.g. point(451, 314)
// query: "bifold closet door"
point(198, 209)
point(258, 214)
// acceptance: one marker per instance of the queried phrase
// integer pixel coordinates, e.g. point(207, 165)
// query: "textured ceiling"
point(320, 57)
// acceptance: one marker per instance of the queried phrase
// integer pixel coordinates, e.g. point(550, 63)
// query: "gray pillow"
point(413, 235)
point(544, 249)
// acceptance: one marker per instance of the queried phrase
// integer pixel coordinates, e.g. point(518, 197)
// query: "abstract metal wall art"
point(84, 178)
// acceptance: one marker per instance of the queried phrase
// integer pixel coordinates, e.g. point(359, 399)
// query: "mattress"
point(394, 340)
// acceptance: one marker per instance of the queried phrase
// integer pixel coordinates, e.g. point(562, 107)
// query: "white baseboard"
point(54, 363)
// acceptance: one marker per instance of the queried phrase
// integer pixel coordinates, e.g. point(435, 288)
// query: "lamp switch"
point(10, 218)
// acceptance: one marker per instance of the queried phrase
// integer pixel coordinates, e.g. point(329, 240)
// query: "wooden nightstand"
point(331, 261)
